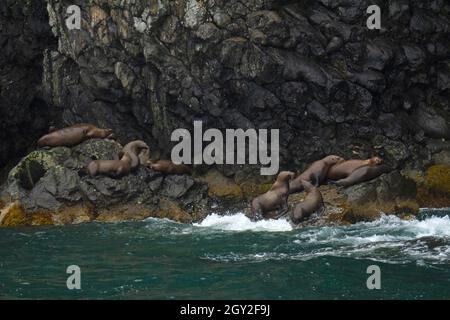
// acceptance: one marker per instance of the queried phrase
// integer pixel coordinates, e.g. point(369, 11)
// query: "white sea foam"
point(389, 240)
point(240, 222)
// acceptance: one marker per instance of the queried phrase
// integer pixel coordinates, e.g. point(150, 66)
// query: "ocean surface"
point(229, 257)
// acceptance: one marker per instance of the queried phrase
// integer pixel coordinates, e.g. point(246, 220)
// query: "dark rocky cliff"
point(309, 68)
point(24, 36)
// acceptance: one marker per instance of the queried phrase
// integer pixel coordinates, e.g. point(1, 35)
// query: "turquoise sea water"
point(229, 258)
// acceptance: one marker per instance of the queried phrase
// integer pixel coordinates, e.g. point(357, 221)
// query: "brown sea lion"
point(343, 169)
point(168, 167)
point(93, 132)
point(134, 149)
point(312, 203)
point(112, 168)
point(67, 137)
point(363, 174)
point(316, 173)
point(144, 157)
point(73, 135)
point(274, 199)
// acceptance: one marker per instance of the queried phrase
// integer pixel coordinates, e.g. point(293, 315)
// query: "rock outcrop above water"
point(309, 68)
point(312, 69)
point(54, 183)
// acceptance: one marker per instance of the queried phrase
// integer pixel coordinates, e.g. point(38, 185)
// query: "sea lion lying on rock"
point(316, 173)
point(134, 149)
point(343, 169)
point(73, 135)
point(168, 167)
point(111, 168)
point(312, 203)
point(363, 174)
point(274, 199)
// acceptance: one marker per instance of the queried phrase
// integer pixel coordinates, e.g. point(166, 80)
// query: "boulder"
point(391, 193)
point(55, 182)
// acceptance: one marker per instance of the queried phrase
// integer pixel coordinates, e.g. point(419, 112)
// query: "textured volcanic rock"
point(312, 69)
point(55, 181)
point(144, 68)
point(391, 193)
point(24, 36)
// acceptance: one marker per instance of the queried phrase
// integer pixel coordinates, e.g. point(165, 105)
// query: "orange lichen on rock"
point(434, 191)
point(438, 178)
point(221, 187)
point(170, 210)
point(374, 210)
point(72, 215)
point(13, 215)
point(123, 213)
point(41, 219)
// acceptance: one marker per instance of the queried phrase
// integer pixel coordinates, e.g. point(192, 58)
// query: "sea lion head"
point(111, 136)
point(107, 133)
point(141, 146)
point(332, 159)
point(285, 176)
point(376, 161)
point(100, 133)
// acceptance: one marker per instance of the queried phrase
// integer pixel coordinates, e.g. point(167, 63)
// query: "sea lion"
point(144, 157)
point(73, 135)
point(134, 149)
point(67, 137)
point(93, 132)
point(168, 167)
point(316, 173)
point(274, 199)
point(112, 168)
point(312, 203)
point(363, 174)
point(342, 170)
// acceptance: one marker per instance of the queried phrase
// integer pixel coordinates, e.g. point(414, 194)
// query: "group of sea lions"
point(272, 204)
point(334, 169)
point(133, 154)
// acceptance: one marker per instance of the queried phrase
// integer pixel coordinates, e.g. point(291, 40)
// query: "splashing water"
point(230, 256)
point(240, 222)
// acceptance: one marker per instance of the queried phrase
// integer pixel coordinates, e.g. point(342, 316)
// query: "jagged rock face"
point(55, 180)
point(24, 35)
point(312, 69)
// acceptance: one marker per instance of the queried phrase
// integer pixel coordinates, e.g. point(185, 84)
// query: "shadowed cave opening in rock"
point(32, 172)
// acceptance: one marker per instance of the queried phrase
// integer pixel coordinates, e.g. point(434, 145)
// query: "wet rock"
point(24, 115)
point(221, 187)
point(319, 111)
point(414, 55)
point(254, 65)
point(391, 193)
point(434, 188)
point(379, 55)
point(311, 69)
point(55, 181)
point(335, 44)
point(442, 157)
point(433, 120)
point(438, 179)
